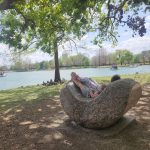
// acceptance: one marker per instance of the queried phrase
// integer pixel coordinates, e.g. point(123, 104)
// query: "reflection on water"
point(17, 79)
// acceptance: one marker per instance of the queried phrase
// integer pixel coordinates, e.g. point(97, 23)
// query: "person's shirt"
point(90, 83)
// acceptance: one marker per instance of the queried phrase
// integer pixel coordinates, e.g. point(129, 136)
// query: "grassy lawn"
point(142, 78)
point(29, 94)
point(14, 97)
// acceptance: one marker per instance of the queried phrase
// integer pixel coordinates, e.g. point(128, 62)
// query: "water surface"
point(17, 79)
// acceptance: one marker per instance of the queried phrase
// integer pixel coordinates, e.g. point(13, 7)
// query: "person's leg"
point(78, 83)
point(84, 90)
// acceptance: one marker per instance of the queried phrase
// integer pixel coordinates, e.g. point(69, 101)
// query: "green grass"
point(15, 97)
point(142, 78)
point(29, 94)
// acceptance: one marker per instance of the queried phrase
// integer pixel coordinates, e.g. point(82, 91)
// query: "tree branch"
point(73, 42)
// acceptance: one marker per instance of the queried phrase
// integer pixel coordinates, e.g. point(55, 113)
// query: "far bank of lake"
point(17, 79)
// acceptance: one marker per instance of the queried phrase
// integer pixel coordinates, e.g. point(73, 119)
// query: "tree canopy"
point(124, 56)
point(75, 60)
point(57, 19)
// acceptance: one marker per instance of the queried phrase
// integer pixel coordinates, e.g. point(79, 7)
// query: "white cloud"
point(147, 25)
point(4, 48)
point(84, 37)
point(147, 18)
point(37, 56)
point(125, 33)
point(135, 45)
point(4, 54)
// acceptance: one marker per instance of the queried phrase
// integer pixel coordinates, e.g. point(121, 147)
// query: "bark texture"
point(57, 72)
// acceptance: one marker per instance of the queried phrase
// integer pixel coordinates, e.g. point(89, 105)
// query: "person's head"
point(115, 77)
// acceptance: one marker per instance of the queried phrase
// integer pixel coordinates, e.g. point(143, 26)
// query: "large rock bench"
point(104, 110)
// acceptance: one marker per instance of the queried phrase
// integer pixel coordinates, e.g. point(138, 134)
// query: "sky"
point(85, 45)
point(135, 44)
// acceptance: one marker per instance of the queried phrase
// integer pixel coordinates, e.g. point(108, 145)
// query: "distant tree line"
point(120, 57)
point(28, 65)
point(101, 58)
point(75, 60)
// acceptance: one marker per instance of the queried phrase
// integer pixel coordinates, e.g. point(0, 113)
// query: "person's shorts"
point(85, 91)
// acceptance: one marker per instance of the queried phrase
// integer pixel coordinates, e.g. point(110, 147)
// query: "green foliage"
point(136, 58)
point(47, 22)
point(44, 65)
point(27, 66)
point(124, 56)
point(11, 29)
point(50, 22)
point(1, 1)
point(145, 56)
point(75, 60)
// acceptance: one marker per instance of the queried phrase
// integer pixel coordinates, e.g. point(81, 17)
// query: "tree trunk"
point(57, 73)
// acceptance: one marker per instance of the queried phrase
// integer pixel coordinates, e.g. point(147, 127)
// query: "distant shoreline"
point(141, 77)
point(76, 67)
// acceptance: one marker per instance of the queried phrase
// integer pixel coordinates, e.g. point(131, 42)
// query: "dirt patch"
point(43, 125)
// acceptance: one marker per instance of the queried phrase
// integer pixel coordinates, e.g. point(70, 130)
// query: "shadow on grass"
point(42, 124)
point(19, 96)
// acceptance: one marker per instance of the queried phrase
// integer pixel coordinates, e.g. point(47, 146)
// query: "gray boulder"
point(104, 110)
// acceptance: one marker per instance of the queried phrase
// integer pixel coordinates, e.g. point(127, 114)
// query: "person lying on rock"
point(90, 88)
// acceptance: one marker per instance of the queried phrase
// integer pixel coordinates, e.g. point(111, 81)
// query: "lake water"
point(17, 79)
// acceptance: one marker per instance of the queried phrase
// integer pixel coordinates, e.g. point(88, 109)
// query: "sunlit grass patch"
point(142, 78)
point(13, 97)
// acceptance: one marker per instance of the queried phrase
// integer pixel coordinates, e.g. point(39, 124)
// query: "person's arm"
point(94, 94)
